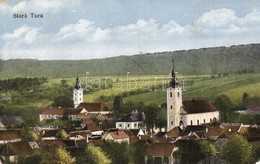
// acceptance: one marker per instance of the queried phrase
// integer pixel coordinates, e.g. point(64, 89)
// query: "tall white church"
point(188, 112)
point(77, 93)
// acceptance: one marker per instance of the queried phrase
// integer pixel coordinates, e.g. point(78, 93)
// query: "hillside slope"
point(232, 59)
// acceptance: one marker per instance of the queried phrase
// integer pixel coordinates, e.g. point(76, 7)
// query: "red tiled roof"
point(60, 111)
point(10, 135)
point(198, 106)
point(192, 128)
point(119, 134)
point(98, 142)
point(231, 127)
point(214, 131)
point(174, 133)
point(17, 148)
point(160, 149)
point(93, 107)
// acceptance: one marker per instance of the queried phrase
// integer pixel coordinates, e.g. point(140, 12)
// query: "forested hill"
point(234, 59)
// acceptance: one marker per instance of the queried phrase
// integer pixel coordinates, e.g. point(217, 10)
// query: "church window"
point(170, 94)
point(210, 120)
point(198, 122)
point(204, 121)
point(171, 106)
point(178, 94)
point(190, 122)
point(171, 122)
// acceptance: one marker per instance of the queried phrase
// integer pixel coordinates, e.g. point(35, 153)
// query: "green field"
point(149, 89)
point(152, 88)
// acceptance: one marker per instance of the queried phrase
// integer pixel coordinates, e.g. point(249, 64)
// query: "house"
point(49, 134)
point(188, 112)
point(99, 108)
point(133, 120)
point(161, 151)
point(78, 135)
point(55, 113)
point(52, 143)
point(173, 133)
point(10, 136)
point(12, 150)
point(213, 132)
point(117, 136)
point(11, 121)
point(134, 135)
point(89, 125)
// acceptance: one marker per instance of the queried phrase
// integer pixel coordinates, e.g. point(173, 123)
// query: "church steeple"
point(77, 93)
point(174, 101)
point(77, 85)
point(174, 82)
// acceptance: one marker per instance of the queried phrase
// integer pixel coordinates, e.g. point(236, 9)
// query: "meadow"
point(151, 89)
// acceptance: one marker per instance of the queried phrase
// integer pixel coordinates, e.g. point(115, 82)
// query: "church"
point(187, 112)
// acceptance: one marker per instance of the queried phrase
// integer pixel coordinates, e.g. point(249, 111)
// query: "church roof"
point(174, 82)
point(60, 111)
point(77, 85)
point(198, 106)
point(94, 107)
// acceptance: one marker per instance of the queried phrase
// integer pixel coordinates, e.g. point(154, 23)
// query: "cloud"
point(85, 39)
point(219, 18)
point(79, 29)
point(24, 34)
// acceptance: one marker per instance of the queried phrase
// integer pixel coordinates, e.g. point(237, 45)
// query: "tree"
point(119, 153)
point(118, 103)
point(245, 100)
point(238, 150)
point(57, 156)
point(207, 148)
point(63, 101)
point(34, 158)
point(224, 105)
point(62, 134)
point(151, 113)
point(161, 119)
point(95, 155)
point(28, 134)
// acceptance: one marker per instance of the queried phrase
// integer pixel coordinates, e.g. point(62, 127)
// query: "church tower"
point(174, 101)
point(77, 93)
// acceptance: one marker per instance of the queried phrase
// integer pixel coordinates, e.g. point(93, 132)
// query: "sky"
point(89, 29)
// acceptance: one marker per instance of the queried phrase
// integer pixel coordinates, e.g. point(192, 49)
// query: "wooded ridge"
point(218, 60)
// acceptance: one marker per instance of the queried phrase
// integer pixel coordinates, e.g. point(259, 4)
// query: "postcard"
point(129, 81)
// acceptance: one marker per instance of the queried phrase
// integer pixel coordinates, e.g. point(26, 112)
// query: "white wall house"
point(55, 113)
point(133, 120)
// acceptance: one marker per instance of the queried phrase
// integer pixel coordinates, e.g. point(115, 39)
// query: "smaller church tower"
point(77, 93)
point(174, 101)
